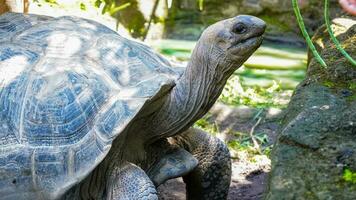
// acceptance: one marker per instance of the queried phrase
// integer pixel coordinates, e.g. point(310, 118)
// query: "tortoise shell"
point(68, 88)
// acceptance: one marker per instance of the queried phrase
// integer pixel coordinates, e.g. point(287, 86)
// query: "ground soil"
point(249, 175)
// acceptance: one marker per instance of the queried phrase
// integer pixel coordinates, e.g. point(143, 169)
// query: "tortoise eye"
point(239, 28)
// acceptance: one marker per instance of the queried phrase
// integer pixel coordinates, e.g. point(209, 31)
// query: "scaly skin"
point(211, 178)
point(130, 182)
point(124, 182)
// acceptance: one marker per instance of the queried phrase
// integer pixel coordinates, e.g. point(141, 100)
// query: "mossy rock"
point(316, 144)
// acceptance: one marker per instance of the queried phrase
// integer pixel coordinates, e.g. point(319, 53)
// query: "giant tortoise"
point(88, 114)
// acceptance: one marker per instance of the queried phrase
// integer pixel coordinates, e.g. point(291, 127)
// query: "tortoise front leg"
point(129, 182)
point(211, 178)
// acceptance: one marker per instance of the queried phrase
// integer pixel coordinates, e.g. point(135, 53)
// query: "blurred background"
point(248, 113)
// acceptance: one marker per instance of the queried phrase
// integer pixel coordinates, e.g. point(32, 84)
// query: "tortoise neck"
point(194, 94)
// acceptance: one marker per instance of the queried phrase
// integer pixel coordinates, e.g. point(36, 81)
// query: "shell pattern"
point(68, 88)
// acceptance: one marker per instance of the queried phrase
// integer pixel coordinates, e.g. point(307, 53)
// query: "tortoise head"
point(230, 42)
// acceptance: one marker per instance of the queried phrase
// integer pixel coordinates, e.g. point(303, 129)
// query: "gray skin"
point(150, 155)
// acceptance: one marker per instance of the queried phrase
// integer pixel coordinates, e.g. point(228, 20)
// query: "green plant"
point(352, 86)
point(332, 36)
point(329, 84)
point(267, 151)
point(234, 93)
point(49, 2)
point(328, 25)
point(305, 33)
point(209, 127)
point(236, 145)
point(243, 142)
point(349, 176)
point(82, 6)
point(201, 4)
point(110, 6)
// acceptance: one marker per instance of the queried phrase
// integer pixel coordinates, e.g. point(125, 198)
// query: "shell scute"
point(49, 165)
point(7, 134)
point(13, 23)
point(56, 113)
point(128, 63)
point(15, 66)
point(117, 116)
point(83, 155)
point(14, 169)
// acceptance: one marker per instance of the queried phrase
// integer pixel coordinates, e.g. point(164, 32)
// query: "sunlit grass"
point(241, 142)
point(208, 126)
point(235, 93)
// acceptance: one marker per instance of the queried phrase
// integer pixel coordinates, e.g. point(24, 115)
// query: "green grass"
point(241, 142)
point(235, 93)
point(209, 127)
point(352, 86)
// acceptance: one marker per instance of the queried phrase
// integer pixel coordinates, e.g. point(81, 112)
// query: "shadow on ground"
point(250, 189)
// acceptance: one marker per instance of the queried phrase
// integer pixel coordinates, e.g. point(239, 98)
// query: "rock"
point(316, 143)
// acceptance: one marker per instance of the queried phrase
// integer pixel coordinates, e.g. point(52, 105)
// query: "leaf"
point(98, 3)
point(51, 1)
point(305, 33)
point(116, 9)
point(105, 8)
point(201, 4)
point(82, 6)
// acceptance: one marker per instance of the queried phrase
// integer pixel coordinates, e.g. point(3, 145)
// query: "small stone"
point(324, 107)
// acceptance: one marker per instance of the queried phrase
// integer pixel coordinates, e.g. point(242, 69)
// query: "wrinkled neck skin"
point(195, 92)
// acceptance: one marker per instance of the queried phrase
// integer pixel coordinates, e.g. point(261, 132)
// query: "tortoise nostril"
point(239, 28)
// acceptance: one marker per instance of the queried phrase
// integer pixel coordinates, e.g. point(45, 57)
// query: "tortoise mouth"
point(252, 41)
point(246, 46)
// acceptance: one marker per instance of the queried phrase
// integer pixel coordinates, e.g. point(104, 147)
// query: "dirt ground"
point(249, 175)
